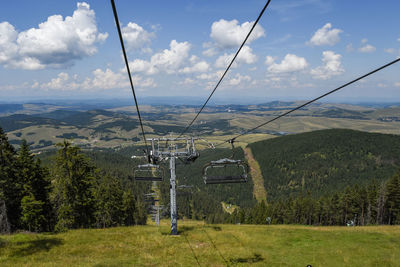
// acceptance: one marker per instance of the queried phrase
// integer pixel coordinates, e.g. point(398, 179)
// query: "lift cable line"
point(311, 101)
point(130, 75)
point(227, 69)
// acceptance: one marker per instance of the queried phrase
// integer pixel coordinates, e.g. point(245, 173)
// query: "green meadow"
point(201, 244)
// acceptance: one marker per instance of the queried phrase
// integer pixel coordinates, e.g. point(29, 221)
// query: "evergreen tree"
point(393, 199)
point(109, 202)
point(10, 184)
point(73, 193)
point(32, 213)
point(36, 190)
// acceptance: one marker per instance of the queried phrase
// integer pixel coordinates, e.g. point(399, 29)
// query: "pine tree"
point(109, 202)
point(393, 199)
point(32, 213)
point(10, 184)
point(36, 189)
point(73, 194)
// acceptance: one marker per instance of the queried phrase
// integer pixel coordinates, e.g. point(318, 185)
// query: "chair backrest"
point(225, 171)
point(148, 172)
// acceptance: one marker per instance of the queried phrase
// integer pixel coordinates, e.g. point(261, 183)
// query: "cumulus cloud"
point(136, 37)
point(169, 60)
point(245, 56)
point(238, 79)
point(290, 63)
point(367, 48)
point(230, 34)
point(61, 82)
point(326, 36)
point(209, 76)
point(201, 66)
point(56, 42)
point(331, 66)
point(99, 80)
point(269, 60)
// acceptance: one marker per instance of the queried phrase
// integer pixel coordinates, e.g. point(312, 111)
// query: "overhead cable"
point(227, 69)
point(311, 101)
point(129, 73)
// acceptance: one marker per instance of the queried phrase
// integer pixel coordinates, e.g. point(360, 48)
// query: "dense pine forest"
point(326, 161)
point(72, 193)
point(330, 177)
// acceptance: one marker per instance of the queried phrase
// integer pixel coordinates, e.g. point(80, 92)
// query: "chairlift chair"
point(148, 172)
point(225, 171)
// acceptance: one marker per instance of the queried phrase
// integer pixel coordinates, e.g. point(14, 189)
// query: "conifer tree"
point(393, 199)
point(109, 202)
point(73, 192)
point(35, 193)
point(10, 184)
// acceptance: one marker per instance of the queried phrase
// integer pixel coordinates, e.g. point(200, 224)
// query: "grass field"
point(206, 245)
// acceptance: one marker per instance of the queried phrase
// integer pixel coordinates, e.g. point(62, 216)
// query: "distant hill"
point(325, 161)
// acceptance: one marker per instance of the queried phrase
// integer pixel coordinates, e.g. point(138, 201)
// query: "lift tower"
point(174, 148)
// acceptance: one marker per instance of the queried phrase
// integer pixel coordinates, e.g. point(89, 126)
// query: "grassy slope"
point(255, 171)
point(206, 245)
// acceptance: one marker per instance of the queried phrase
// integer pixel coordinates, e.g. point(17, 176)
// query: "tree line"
point(72, 194)
point(372, 204)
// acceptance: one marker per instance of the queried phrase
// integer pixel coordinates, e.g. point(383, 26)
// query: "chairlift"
point(184, 190)
point(148, 172)
point(225, 171)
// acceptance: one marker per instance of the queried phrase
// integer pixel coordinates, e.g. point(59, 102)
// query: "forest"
point(329, 177)
point(72, 194)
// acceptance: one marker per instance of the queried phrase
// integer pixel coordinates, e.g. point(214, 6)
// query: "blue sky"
point(303, 48)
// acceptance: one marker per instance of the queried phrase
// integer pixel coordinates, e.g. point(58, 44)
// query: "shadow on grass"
point(181, 230)
point(3, 243)
point(185, 229)
point(26, 248)
point(214, 227)
point(254, 259)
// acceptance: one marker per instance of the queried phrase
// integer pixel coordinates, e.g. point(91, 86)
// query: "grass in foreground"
point(206, 245)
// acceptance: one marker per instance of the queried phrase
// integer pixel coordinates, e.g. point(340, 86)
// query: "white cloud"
point(290, 63)
point(56, 42)
point(269, 60)
point(382, 85)
point(245, 56)
point(61, 82)
point(187, 81)
point(230, 34)
point(364, 40)
point(136, 37)
point(367, 49)
point(139, 65)
point(398, 39)
point(326, 36)
point(208, 76)
point(201, 66)
point(331, 66)
point(390, 50)
point(99, 80)
point(106, 80)
point(169, 60)
point(238, 79)
point(397, 84)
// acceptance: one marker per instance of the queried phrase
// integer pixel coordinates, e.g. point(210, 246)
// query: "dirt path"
point(255, 171)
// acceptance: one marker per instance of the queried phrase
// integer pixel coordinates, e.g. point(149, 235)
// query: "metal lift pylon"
point(172, 153)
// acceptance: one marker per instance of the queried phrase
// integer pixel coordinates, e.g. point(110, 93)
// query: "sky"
point(299, 49)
